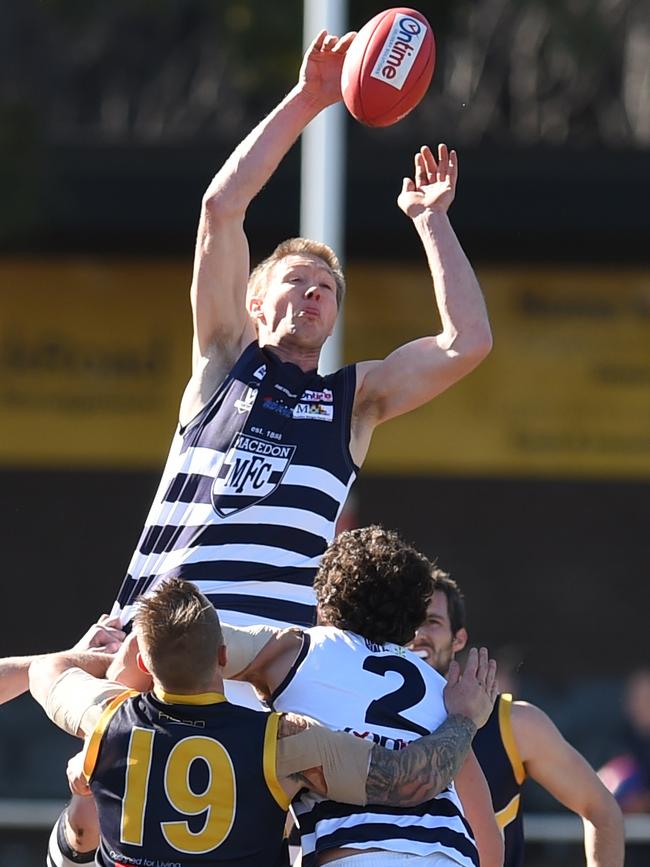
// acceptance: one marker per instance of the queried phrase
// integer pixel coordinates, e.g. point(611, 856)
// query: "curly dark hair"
point(371, 582)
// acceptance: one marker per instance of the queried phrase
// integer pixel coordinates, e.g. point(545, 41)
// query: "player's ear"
point(141, 663)
point(222, 656)
point(460, 640)
point(254, 305)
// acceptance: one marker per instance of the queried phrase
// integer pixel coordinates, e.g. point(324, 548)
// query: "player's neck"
point(213, 688)
point(306, 358)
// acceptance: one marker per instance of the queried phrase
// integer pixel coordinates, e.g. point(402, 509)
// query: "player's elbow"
point(469, 345)
point(492, 849)
point(221, 204)
point(478, 344)
point(470, 349)
point(602, 810)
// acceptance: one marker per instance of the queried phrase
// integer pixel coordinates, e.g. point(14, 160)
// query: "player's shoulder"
point(322, 635)
point(533, 729)
point(524, 713)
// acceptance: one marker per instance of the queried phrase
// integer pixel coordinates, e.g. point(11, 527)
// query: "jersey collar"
point(198, 698)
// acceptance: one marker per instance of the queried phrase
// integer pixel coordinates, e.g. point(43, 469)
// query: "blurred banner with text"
point(94, 356)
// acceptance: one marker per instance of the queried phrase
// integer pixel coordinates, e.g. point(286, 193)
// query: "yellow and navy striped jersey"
point(496, 750)
point(186, 780)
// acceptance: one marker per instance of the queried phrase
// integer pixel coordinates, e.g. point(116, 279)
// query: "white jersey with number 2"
point(388, 694)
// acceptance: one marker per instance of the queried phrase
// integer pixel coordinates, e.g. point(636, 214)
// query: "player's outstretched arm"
point(14, 676)
point(63, 701)
point(416, 372)
point(71, 686)
point(553, 763)
point(221, 265)
point(14, 670)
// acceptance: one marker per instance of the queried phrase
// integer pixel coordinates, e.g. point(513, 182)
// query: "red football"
point(388, 67)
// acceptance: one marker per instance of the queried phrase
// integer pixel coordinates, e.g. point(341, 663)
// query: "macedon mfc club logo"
point(251, 469)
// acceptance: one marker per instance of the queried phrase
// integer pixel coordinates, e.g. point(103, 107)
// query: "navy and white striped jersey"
point(388, 694)
point(251, 492)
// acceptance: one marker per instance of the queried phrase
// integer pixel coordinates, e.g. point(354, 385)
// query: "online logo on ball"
point(399, 51)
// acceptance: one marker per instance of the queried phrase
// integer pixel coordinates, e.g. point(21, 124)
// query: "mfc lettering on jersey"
point(251, 492)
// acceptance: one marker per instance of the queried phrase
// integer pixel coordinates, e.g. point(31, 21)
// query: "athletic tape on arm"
point(76, 699)
point(243, 644)
point(344, 759)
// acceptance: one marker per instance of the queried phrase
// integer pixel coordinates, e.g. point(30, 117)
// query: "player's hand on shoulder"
point(472, 692)
point(106, 636)
point(320, 73)
point(433, 186)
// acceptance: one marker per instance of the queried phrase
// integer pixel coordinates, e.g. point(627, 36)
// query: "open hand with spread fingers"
point(472, 693)
point(434, 184)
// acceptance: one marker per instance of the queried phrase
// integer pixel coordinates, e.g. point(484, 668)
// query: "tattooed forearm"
point(291, 724)
point(423, 769)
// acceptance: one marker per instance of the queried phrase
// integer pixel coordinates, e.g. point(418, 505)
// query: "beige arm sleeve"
point(243, 643)
point(76, 699)
point(345, 760)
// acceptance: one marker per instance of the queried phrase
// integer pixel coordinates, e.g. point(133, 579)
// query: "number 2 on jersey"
point(217, 800)
point(386, 711)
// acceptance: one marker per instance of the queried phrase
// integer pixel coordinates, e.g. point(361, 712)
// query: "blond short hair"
point(180, 636)
point(257, 282)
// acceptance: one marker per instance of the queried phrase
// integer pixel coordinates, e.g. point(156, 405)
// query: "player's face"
point(434, 641)
point(300, 301)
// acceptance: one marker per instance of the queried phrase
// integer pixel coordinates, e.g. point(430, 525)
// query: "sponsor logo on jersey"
point(399, 51)
point(278, 406)
point(380, 740)
point(245, 403)
point(260, 373)
point(324, 396)
point(314, 411)
point(250, 471)
point(172, 720)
